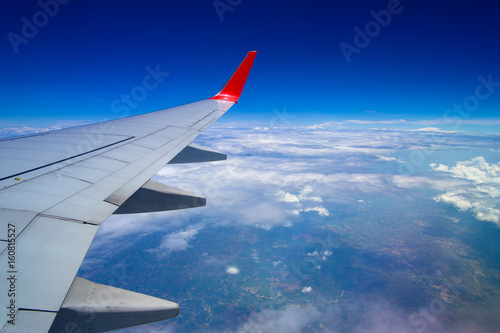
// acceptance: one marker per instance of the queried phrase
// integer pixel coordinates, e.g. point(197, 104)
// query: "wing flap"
point(194, 153)
point(38, 194)
point(47, 257)
point(19, 218)
point(158, 197)
point(51, 149)
point(129, 153)
point(31, 321)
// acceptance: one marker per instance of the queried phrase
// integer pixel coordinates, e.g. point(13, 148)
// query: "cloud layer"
point(481, 191)
point(272, 177)
point(285, 176)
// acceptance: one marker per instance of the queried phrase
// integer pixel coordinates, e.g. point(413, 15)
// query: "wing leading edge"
point(57, 187)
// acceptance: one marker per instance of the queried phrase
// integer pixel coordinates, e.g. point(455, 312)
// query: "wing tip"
point(231, 91)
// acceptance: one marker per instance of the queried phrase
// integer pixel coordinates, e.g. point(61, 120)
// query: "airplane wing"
point(58, 187)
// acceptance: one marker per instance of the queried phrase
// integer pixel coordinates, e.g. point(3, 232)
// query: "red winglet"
point(234, 86)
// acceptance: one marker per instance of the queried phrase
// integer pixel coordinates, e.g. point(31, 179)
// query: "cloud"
point(388, 159)
point(480, 191)
point(321, 210)
point(289, 319)
point(447, 121)
point(232, 270)
point(287, 197)
point(306, 290)
point(476, 170)
point(432, 129)
point(429, 123)
point(365, 315)
point(271, 176)
point(274, 175)
point(15, 131)
point(472, 185)
point(455, 199)
point(304, 195)
point(179, 241)
point(339, 124)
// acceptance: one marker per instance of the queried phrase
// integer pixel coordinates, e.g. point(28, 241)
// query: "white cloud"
point(388, 159)
point(272, 176)
point(232, 270)
point(476, 170)
point(289, 319)
point(339, 124)
point(306, 290)
point(304, 195)
point(453, 198)
point(15, 131)
point(321, 210)
point(432, 129)
point(287, 197)
point(271, 184)
point(447, 121)
point(179, 241)
point(365, 316)
point(479, 190)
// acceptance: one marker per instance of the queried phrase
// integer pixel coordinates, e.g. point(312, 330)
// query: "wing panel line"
point(65, 159)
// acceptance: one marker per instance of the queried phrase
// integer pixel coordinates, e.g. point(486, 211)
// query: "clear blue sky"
point(421, 63)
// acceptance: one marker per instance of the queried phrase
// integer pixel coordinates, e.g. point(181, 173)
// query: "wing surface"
point(58, 187)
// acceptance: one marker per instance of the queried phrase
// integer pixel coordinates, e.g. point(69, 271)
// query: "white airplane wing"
point(58, 187)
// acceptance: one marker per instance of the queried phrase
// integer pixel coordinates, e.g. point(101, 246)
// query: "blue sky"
point(416, 65)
